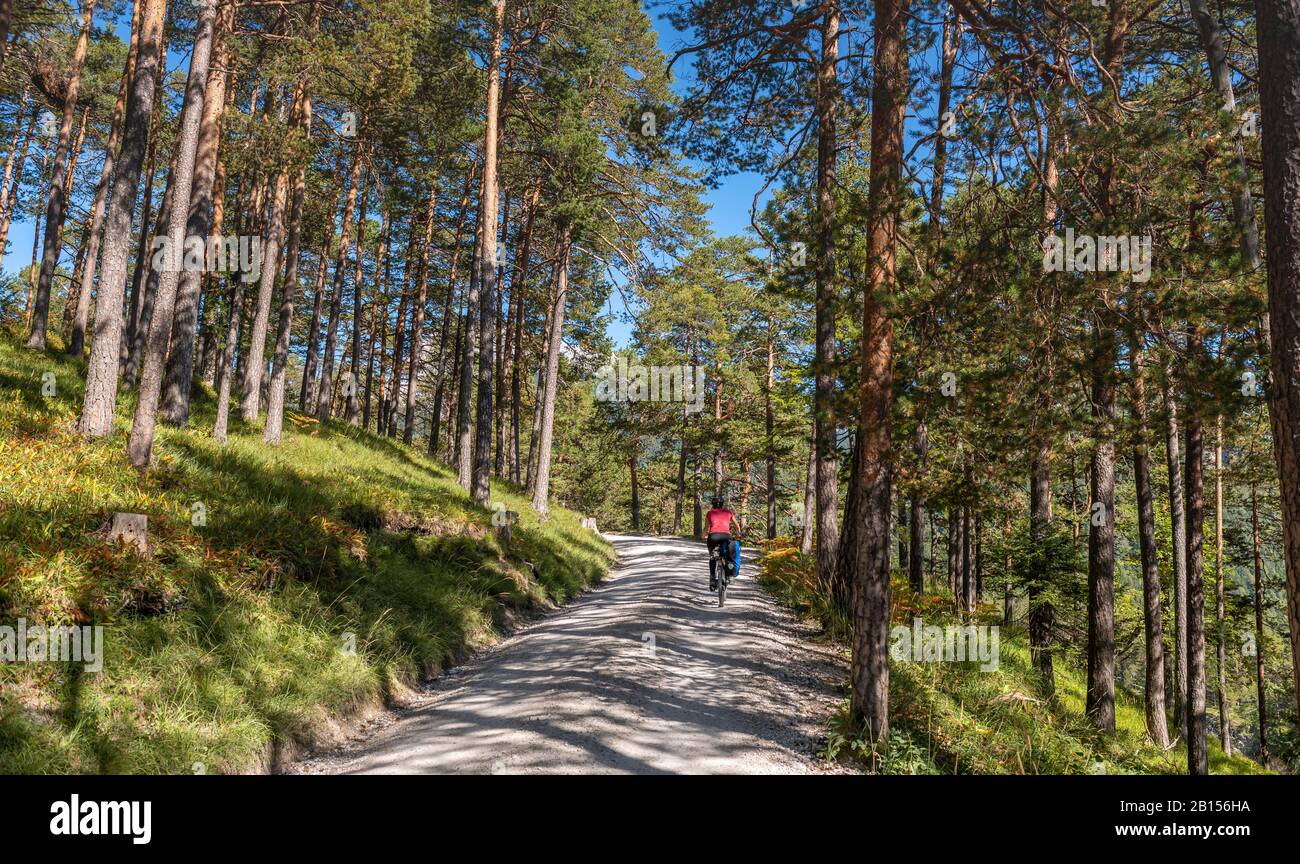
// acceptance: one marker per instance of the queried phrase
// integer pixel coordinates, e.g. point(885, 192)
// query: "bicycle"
point(721, 582)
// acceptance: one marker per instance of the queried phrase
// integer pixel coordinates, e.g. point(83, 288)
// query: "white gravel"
point(642, 675)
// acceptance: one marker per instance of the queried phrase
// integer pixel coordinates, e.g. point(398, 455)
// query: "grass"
point(287, 588)
point(954, 718)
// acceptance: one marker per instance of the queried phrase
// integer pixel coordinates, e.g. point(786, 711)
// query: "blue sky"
point(729, 204)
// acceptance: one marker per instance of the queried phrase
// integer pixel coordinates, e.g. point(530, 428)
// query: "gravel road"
point(642, 675)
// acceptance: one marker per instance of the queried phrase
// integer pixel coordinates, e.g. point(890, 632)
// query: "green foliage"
point(956, 718)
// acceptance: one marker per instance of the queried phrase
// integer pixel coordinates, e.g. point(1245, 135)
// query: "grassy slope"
point(234, 636)
point(945, 718)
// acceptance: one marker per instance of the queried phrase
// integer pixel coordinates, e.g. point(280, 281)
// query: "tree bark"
point(481, 480)
point(870, 661)
point(1178, 522)
point(54, 213)
point(842, 586)
point(1157, 726)
point(140, 445)
point(542, 485)
point(141, 309)
point(1042, 612)
point(388, 420)
point(1008, 589)
point(809, 526)
point(1197, 755)
point(902, 531)
point(1225, 721)
point(679, 495)
point(1277, 24)
point(313, 330)
point(827, 495)
point(325, 392)
point(226, 363)
point(954, 555)
point(465, 389)
point(769, 429)
point(636, 490)
point(417, 316)
point(1100, 702)
point(378, 315)
point(504, 320)
point(271, 432)
point(519, 303)
point(453, 407)
point(102, 374)
point(180, 363)
point(208, 361)
point(352, 394)
point(1261, 700)
point(916, 537)
point(967, 562)
point(251, 403)
point(448, 315)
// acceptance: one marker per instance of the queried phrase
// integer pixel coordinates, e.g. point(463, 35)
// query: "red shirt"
point(719, 520)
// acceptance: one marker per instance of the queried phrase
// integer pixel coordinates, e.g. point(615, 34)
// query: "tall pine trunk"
point(827, 495)
point(140, 445)
point(870, 595)
point(378, 314)
point(1042, 612)
point(1277, 22)
point(1197, 756)
point(546, 426)
point(250, 404)
point(481, 481)
point(271, 432)
point(1261, 700)
point(809, 524)
point(313, 328)
point(1178, 528)
point(417, 315)
point(519, 303)
point(1225, 721)
point(1152, 621)
point(1100, 701)
point(102, 374)
point(325, 391)
point(448, 315)
point(54, 212)
point(769, 430)
point(465, 387)
point(180, 363)
point(352, 393)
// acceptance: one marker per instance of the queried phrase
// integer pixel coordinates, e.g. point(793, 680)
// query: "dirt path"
point(644, 675)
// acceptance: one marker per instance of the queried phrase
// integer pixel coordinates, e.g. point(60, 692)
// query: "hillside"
point(311, 583)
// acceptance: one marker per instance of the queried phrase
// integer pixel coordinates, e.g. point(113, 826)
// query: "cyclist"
point(718, 526)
